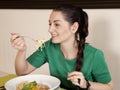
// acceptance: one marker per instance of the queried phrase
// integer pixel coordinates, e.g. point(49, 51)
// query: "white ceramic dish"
point(51, 81)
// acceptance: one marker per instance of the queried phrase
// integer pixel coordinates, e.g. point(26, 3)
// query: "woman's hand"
point(18, 42)
point(74, 76)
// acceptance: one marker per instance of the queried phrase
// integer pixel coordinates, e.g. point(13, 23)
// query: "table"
point(4, 77)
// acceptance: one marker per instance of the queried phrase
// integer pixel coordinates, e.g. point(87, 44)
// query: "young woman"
point(70, 58)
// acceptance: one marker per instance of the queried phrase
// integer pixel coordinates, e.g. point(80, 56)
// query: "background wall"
point(104, 33)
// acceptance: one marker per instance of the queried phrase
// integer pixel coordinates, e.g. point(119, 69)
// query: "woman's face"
point(59, 28)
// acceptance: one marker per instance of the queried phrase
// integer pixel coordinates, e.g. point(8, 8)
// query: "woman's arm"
point(100, 86)
point(21, 65)
point(74, 76)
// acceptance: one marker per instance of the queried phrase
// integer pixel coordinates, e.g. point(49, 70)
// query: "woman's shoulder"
point(91, 48)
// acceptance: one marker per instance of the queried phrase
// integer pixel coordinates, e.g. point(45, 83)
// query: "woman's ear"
point(74, 27)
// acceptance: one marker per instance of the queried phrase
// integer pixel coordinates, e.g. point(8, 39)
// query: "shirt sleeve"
point(38, 58)
point(100, 70)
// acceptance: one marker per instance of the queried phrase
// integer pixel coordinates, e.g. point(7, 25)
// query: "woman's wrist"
point(21, 51)
point(87, 86)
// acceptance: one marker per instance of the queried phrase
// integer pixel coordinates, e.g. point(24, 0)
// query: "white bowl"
point(51, 81)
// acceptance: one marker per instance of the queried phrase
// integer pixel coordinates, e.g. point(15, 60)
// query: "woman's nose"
point(51, 29)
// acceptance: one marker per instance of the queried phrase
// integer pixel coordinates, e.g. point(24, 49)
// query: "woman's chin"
point(55, 41)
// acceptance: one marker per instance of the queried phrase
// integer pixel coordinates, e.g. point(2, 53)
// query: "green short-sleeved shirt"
point(94, 66)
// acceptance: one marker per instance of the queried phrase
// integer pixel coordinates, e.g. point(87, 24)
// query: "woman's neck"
point(69, 49)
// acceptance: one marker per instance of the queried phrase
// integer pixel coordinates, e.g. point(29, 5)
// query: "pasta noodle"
point(41, 43)
point(31, 86)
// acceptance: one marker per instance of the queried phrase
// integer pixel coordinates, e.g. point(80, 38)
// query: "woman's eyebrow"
point(55, 21)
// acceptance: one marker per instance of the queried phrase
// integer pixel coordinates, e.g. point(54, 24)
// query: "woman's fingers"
point(14, 36)
point(74, 79)
point(77, 78)
point(75, 75)
point(17, 41)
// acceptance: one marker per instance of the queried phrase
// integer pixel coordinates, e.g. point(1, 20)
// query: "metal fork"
point(40, 42)
point(30, 38)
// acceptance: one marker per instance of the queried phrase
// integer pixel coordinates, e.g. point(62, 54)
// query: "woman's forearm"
point(100, 86)
point(20, 63)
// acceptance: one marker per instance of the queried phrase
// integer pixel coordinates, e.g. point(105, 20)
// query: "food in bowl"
point(31, 86)
point(50, 81)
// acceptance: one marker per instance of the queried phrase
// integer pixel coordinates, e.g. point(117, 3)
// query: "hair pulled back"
point(76, 14)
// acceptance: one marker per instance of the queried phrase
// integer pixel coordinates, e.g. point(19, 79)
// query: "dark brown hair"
point(76, 14)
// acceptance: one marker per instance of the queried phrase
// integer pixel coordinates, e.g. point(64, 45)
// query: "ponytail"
point(81, 35)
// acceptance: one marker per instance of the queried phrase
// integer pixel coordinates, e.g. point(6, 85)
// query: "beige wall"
point(104, 28)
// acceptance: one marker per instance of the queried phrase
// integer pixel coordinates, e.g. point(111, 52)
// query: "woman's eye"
point(56, 25)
